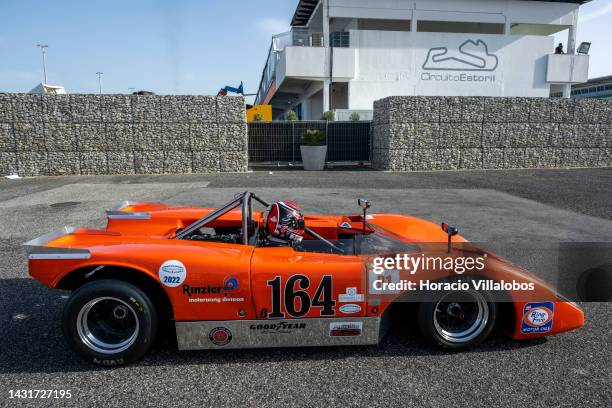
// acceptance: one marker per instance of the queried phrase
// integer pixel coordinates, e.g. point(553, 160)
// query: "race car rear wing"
point(38, 249)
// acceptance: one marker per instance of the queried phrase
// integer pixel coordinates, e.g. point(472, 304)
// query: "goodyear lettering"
point(278, 327)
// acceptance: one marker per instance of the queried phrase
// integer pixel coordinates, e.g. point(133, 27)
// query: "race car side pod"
point(450, 231)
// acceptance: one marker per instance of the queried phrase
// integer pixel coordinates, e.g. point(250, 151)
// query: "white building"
point(342, 55)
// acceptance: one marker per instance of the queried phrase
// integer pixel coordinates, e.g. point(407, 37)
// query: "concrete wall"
point(121, 134)
point(447, 133)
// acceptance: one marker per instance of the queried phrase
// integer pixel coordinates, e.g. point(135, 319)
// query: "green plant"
point(329, 116)
point(313, 137)
point(291, 115)
point(355, 117)
point(258, 117)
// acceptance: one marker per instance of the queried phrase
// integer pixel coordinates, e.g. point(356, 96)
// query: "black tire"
point(465, 334)
point(110, 322)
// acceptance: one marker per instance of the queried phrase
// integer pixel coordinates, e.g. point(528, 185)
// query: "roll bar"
point(245, 201)
point(212, 216)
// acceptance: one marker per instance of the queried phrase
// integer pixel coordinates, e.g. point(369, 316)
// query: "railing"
point(266, 76)
point(279, 142)
point(294, 38)
point(567, 68)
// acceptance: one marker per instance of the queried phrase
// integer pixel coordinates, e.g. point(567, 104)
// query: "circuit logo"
point(469, 56)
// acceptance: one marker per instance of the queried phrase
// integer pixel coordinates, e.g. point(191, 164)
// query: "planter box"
point(313, 157)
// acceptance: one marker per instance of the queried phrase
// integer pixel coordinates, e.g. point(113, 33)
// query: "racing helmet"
point(284, 220)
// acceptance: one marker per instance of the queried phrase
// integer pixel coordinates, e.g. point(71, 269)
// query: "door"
point(291, 285)
point(216, 284)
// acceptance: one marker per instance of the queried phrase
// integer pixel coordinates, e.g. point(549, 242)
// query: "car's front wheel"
point(457, 320)
point(110, 322)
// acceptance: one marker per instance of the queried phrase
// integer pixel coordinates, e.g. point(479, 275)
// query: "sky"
point(165, 46)
point(174, 46)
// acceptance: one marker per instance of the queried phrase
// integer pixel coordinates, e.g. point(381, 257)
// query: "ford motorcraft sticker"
point(538, 317)
point(350, 308)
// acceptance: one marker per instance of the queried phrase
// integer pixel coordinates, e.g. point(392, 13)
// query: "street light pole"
point(43, 48)
point(99, 74)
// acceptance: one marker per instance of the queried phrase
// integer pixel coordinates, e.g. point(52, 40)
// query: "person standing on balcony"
point(559, 49)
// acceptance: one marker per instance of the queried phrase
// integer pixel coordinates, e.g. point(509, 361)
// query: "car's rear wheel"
point(110, 322)
point(457, 320)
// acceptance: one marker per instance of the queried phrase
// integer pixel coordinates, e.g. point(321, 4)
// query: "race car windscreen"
point(382, 241)
point(379, 241)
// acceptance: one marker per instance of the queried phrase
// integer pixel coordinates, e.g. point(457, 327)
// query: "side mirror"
point(449, 229)
point(363, 203)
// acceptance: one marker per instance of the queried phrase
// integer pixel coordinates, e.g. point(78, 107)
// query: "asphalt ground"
point(520, 214)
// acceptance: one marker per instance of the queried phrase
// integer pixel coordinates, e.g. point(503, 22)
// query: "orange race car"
point(234, 277)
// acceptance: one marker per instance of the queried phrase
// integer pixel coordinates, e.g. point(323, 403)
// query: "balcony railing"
point(294, 38)
point(567, 68)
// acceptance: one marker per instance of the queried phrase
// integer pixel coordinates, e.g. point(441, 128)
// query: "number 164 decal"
point(296, 299)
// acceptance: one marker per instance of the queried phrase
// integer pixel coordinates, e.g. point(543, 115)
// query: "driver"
point(284, 224)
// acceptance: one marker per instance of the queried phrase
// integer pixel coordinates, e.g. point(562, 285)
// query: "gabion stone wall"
point(447, 133)
point(121, 134)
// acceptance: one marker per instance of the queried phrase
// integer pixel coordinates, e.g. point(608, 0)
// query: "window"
point(340, 39)
point(459, 27)
point(536, 29)
point(383, 25)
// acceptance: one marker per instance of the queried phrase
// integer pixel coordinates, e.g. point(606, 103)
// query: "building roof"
point(303, 11)
point(305, 8)
point(595, 81)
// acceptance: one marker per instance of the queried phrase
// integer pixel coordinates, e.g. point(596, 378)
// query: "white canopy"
point(48, 89)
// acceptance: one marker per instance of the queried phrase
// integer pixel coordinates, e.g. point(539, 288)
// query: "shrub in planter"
point(313, 149)
point(313, 137)
point(291, 115)
point(355, 117)
point(329, 116)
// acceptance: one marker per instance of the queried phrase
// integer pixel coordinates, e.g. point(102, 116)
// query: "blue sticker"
point(230, 284)
point(345, 224)
point(538, 317)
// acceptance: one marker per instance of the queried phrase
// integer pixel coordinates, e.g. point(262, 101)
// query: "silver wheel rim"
point(107, 325)
point(460, 317)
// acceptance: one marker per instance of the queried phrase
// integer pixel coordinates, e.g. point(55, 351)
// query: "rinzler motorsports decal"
point(221, 293)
